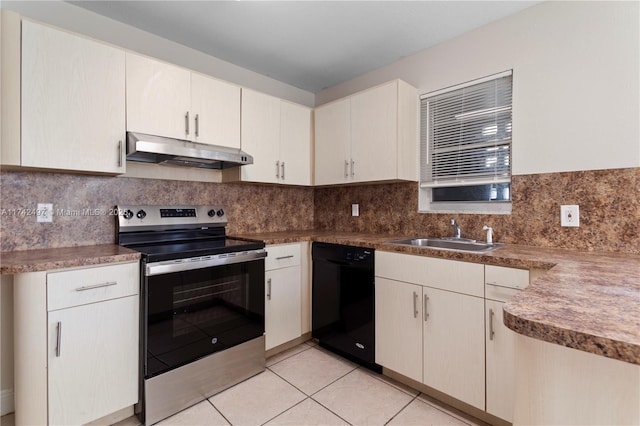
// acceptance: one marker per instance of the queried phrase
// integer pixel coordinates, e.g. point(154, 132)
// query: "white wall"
point(79, 20)
point(576, 81)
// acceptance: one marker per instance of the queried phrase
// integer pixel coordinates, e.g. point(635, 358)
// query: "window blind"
point(465, 135)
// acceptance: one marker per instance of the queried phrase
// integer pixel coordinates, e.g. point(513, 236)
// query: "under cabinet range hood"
point(177, 152)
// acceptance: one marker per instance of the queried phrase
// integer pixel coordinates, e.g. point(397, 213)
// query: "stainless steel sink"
point(449, 243)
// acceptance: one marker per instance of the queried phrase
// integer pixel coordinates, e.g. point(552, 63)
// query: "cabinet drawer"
point(506, 277)
point(444, 274)
point(89, 285)
point(282, 256)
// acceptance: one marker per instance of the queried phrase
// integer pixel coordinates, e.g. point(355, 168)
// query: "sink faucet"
point(489, 233)
point(456, 229)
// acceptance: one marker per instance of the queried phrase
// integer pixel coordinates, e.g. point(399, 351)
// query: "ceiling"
point(311, 45)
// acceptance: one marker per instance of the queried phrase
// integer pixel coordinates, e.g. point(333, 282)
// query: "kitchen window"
point(465, 147)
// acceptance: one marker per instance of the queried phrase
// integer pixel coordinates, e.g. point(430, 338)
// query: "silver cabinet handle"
point(353, 168)
point(346, 168)
point(415, 304)
point(58, 339)
point(426, 312)
point(491, 330)
point(269, 289)
point(284, 257)
point(91, 287)
point(277, 169)
point(197, 120)
point(119, 153)
point(282, 170)
point(186, 123)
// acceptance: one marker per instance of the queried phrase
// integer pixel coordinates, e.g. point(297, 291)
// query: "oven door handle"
point(167, 267)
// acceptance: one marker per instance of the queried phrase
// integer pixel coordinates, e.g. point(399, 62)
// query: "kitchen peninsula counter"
point(18, 262)
point(588, 301)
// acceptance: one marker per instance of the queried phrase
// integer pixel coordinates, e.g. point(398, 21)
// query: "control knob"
point(220, 213)
point(211, 213)
point(141, 214)
point(128, 214)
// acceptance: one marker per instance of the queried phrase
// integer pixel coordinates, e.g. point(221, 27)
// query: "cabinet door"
point(399, 327)
point(295, 144)
point(95, 372)
point(454, 345)
point(215, 109)
point(73, 111)
point(158, 98)
point(282, 306)
point(500, 363)
point(260, 130)
point(333, 143)
point(374, 137)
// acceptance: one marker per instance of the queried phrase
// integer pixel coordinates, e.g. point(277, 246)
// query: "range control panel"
point(139, 217)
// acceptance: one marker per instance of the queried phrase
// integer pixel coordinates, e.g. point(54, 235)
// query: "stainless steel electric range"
point(202, 305)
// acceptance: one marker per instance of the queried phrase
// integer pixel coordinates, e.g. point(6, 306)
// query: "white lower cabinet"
point(501, 284)
point(500, 343)
point(454, 345)
point(77, 333)
point(283, 298)
point(93, 364)
point(427, 332)
point(399, 327)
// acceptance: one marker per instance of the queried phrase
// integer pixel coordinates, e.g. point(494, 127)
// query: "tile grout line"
point(290, 356)
point(450, 414)
point(401, 410)
point(219, 412)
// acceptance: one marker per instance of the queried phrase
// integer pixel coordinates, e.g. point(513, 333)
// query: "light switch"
point(44, 212)
point(570, 215)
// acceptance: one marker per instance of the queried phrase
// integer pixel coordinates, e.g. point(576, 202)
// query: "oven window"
point(195, 313)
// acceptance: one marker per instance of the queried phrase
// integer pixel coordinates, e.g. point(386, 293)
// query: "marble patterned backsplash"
point(609, 203)
point(83, 203)
point(609, 209)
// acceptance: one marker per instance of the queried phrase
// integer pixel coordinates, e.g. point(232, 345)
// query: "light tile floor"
point(307, 385)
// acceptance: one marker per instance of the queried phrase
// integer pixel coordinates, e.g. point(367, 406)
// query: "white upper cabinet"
point(158, 97)
point(73, 102)
point(369, 136)
point(277, 134)
point(295, 144)
point(167, 100)
point(333, 142)
point(216, 111)
point(260, 136)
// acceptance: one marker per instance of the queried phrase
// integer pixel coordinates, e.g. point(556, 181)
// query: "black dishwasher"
point(343, 301)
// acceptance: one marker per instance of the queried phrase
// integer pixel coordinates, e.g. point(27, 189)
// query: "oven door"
point(198, 308)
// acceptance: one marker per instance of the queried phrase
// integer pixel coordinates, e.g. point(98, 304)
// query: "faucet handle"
point(489, 233)
point(453, 221)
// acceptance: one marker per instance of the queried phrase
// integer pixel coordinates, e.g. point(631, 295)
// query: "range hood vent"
point(178, 152)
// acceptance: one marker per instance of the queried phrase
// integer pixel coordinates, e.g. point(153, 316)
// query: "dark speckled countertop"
point(19, 262)
point(588, 301)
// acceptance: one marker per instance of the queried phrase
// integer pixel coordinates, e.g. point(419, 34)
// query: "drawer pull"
point(415, 304)
point(510, 287)
point(269, 289)
point(91, 287)
point(491, 330)
point(426, 312)
point(284, 257)
point(58, 338)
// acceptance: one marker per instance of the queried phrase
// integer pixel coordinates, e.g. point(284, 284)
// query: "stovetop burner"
point(163, 233)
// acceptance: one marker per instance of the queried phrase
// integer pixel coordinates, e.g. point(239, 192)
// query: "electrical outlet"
point(355, 209)
point(44, 212)
point(570, 216)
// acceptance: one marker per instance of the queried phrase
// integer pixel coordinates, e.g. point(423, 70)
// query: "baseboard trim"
point(6, 402)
